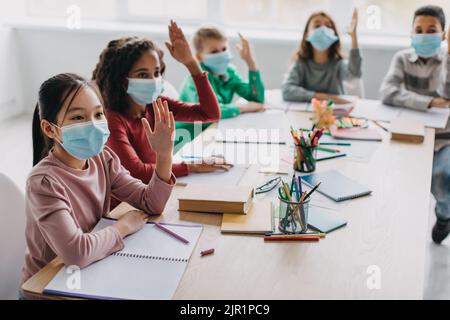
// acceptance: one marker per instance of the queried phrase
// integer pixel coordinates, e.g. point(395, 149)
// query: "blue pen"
point(294, 184)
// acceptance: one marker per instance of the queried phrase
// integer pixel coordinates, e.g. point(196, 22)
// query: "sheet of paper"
point(433, 118)
point(359, 151)
point(375, 110)
point(264, 127)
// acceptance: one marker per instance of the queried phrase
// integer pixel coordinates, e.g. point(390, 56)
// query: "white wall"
point(44, 52)
point(11, 97)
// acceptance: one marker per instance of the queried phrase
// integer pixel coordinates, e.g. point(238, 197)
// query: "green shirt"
point(225, 87)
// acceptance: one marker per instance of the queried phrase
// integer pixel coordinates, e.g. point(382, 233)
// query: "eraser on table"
point(207, 252)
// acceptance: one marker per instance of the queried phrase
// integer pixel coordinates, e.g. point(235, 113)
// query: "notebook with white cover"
point(150, 267)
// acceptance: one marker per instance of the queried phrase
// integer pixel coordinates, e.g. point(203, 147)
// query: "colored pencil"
point(171, 233)
point(333, 157)
point(328, 150)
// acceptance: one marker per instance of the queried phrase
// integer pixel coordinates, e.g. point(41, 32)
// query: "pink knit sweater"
point(63, 205)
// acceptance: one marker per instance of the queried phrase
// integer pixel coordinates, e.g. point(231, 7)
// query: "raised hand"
point(353, 28)
point(178, 46)
point(245, 52)
point(162, 137)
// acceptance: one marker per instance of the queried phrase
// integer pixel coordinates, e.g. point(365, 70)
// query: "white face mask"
point(84, 140)
point(145, 91)
point(427, 45)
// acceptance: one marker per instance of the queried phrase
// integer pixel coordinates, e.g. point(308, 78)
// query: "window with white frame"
point(377, 17)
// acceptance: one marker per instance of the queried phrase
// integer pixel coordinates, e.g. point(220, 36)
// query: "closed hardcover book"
point(258, 220)
point(216, 199)
point(408, 131)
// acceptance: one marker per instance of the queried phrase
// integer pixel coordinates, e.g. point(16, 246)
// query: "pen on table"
point(333, 157)
point(173, 234)
point(379, 125)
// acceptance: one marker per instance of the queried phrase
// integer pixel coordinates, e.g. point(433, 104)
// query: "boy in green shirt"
point(212, 51)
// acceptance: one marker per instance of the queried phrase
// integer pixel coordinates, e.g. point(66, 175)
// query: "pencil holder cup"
point(305, 159)
point(293, 216)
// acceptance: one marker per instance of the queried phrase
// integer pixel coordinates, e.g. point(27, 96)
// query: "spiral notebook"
point(336, 186)
point(150, 267)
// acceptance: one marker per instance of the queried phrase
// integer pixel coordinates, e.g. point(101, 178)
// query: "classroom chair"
point(12, 238)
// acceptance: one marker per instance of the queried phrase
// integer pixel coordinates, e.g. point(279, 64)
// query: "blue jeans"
point(440, 185)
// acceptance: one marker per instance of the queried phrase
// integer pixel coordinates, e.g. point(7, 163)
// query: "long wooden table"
point(384, 242)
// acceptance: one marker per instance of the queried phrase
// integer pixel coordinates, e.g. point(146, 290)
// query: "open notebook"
point(150, 267)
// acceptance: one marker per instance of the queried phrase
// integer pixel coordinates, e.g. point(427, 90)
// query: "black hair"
point(113, 67)
point(53, 94)
point(431, 11)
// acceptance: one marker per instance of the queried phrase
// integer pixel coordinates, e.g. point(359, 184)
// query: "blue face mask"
point(145, 91)
point(427, 45)
point(85, 140)
point(322, 38)
point(218, 62)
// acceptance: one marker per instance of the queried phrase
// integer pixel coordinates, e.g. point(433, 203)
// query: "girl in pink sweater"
point(69, 189)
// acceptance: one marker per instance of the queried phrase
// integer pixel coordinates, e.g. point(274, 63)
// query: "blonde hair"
point(207, 32)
